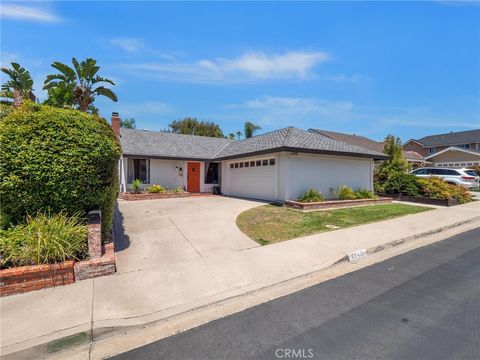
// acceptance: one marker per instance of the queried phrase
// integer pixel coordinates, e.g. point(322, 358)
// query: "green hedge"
point(54, 160)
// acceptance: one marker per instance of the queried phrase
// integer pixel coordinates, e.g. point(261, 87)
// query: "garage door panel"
point(256, 183)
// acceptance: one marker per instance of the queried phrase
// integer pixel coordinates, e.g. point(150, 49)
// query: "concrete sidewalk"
point(97, 306)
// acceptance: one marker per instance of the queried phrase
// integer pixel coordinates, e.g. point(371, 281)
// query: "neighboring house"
point(454, 149)
point(413, 157)
point(279, 165)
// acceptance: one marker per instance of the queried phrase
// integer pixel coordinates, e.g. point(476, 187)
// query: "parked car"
point(467, 178)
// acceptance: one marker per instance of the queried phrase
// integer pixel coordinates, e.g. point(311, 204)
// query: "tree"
point(191, 126)
point(395, 164)
point(239, 134)
point(231, 136)
point(20, 83)
point(81, 80)
point(128, 123)
point(250, 129)
point(61, 96)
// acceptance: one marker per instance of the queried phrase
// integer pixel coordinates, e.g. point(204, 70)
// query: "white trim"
point(415, 141)
point(454, 148)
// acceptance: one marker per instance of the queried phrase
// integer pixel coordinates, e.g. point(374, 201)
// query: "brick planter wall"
point(27, 278)
point(151, 196)
point(336, 204)
point(423, 200)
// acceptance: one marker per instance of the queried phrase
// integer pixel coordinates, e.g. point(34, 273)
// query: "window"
point(252, 163)
point(259, 163)
point(464, 146)
point(420, 172)
point(264, 162)
point(241, 164)
point(138, 169)
point(211, 173)
point(236, 165)
point(231, 166)
point(431, 150)
point(247, 164)
point(272, 161)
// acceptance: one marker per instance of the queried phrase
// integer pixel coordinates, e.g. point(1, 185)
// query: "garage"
point(251, 178)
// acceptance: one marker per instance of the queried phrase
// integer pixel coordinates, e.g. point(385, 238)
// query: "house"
point(454, 149)
point(411, 156)
point(275, 166)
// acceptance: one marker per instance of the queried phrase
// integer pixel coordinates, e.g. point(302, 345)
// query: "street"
point(424, 304)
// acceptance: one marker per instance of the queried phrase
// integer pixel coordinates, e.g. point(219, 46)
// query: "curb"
point(55, 347)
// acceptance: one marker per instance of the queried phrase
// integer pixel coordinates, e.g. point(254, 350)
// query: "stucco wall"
point(163, 172)
point(457, 156)
point(323, 172)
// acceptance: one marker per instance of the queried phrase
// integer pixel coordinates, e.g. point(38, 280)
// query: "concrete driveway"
point(152, 233)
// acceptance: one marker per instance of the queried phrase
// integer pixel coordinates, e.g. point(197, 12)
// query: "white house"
point(275, 166)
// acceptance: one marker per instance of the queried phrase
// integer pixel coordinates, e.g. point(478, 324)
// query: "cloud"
point(285, 111)
point(128, 44)
point(248, 67)
point(27, 13)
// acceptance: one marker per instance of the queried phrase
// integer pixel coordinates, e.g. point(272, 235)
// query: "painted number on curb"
point(357, 254)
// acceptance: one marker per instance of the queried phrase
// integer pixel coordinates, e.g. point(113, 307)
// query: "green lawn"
point(269, 224)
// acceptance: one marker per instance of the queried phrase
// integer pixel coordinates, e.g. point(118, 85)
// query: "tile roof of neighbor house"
point(169, 145)
point(364, 142)
point(452, 138)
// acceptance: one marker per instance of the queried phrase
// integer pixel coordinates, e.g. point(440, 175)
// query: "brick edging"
point(151, 196)
point(335, 204)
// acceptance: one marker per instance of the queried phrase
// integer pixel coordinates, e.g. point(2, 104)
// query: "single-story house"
point(454, 149)
point(275, 166)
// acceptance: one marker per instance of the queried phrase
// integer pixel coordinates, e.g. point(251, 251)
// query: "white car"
point(467, 178)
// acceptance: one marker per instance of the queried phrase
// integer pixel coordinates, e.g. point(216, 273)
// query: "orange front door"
point(193, 177)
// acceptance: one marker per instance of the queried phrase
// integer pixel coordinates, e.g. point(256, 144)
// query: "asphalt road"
point(424, 304)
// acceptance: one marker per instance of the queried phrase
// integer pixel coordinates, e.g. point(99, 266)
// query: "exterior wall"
point(413, 146)
point(455, 156)
point(324, 172)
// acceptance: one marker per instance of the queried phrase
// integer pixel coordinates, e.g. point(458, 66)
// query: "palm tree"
point(239, 135)
point(82, 79)
point(20, 84)
point(250, 128)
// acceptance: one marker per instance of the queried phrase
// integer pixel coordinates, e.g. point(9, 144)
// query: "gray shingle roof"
point(169, 145)
point(159, 144)
point(452, 138)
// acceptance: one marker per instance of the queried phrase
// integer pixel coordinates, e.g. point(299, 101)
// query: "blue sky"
point(410, 69)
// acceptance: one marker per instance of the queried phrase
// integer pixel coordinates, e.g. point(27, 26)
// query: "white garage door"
point(251, 179)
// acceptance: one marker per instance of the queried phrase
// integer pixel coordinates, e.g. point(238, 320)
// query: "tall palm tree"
point(20, 83)
point(82, 79)
point(250, 129)
point(239, 135)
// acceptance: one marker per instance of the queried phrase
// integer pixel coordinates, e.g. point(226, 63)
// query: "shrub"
point(136, 184)
point(436, 188)
point(475, 168)
point(54, 160)
point(44, 239)
point(343, 192)
point(177, 189)
point(311, 195)
point(364, 194)
point(156, 189)
point(401, 183)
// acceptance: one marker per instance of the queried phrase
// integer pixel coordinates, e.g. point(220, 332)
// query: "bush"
point(44, 239)
point(343, 192)
point(436, 188)
point(177, 189)
point(136, 183)
point(364, 194)
point(406, 184)
point(311, 195)
point(54, 160)
point(155, 189)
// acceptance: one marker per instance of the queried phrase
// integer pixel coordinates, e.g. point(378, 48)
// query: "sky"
point(372, 68)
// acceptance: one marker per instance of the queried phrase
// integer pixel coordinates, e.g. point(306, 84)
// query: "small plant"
point(343, 192)
point(44, 239)
point(311, 195)
point(177, 189)
point(136, 184)
point(156, 189)
point(364, 194)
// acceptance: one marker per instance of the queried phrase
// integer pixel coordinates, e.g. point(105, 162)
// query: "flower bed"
point(422, 199)
point(22, 279)
point(336, 204)
point(151, 196)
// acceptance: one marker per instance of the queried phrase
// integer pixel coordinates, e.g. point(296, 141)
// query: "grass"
point(269, 224)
